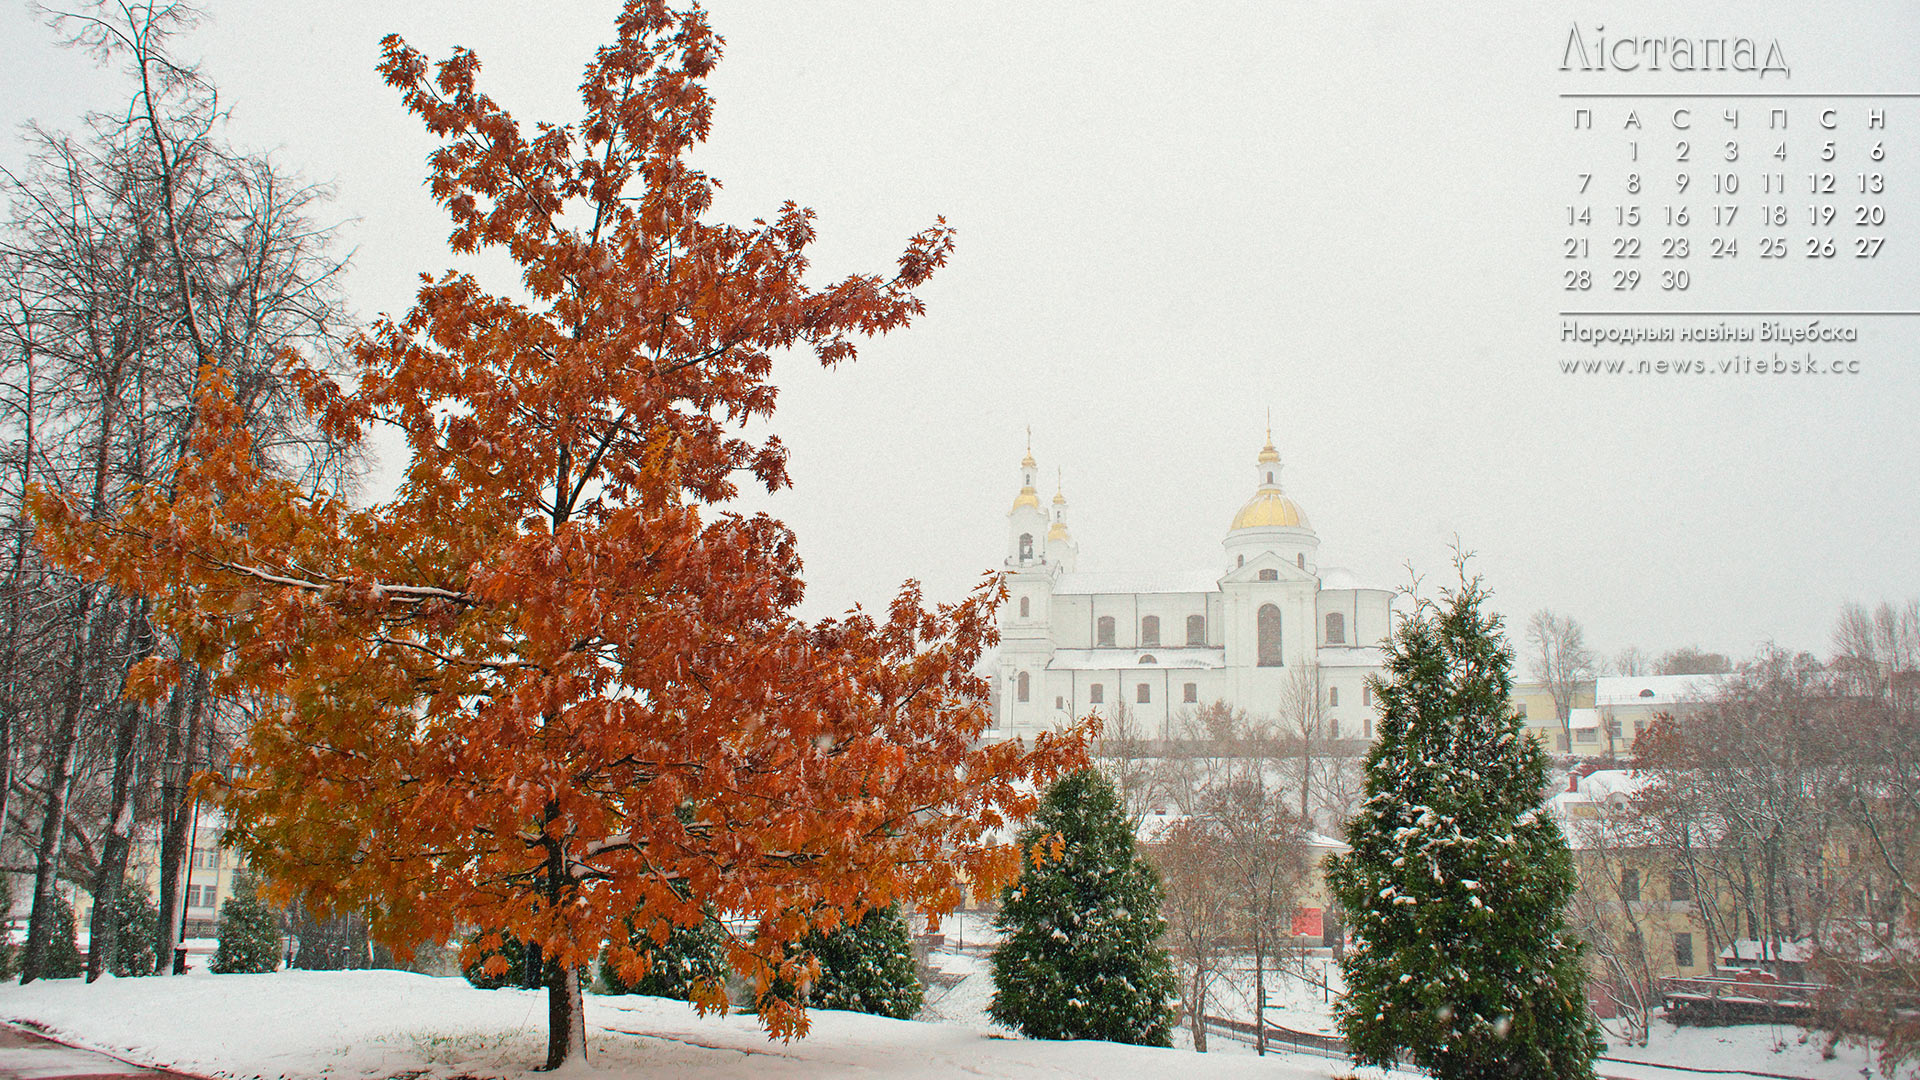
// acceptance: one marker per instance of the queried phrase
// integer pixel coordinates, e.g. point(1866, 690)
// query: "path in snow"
point(27, 1056)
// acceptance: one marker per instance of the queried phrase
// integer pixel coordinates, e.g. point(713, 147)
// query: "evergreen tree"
point(1081, 955)
point(336, 944)
point(690, 955)
point(136, 926)
point(510, 950)
point(1457, 880)
point(868, 967)
point(63, 951)
point(249, 933)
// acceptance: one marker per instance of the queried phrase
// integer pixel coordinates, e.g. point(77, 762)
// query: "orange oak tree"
point(551, 684)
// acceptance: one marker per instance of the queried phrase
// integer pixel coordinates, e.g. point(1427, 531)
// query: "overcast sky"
point(1173, 218)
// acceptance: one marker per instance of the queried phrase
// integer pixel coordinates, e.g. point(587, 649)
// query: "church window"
point(1333, 729)
point(1190, 693)
point(1269, 575)
point(1103, 631)
point(1366, 698)
point(1097, 694)
point(1336, 628)
point(1059, 702)
point(1333, 695)
point(1196, 630)
point(1020, 691)
point(1143, 693)
point(1366, 723)
point(1024, 611)
point(1148, 658)
point(1300, 560)
point(1242, 562)
point(1026, 547)
point(1267, 634)
point(1269, 478)
point(1150, 630)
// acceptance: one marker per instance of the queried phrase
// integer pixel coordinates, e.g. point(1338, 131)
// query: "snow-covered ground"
point(370, 1025)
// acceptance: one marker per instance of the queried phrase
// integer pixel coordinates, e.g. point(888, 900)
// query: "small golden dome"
point(1270, 509)
point(1059, 498)
point(1058, 531)
point(1027, 497)
point(1268, 455)
point(1028, 462)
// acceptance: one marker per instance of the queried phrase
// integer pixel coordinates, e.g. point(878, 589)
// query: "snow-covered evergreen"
point(136, 924)
point(1458, 878)
point(868, 967)
point(689, 954)
point(249, 933)
point(1081, 956)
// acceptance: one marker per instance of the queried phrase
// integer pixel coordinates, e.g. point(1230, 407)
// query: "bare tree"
point(1302, 731)
point(130, 259)
point(1559, 658)
point(1632, 660)
point(1125, 754)
point(1199, 910)
point(1692, 660)
point(1264, 862)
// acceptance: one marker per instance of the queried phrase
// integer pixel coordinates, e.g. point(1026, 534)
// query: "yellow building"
point(1534, 702)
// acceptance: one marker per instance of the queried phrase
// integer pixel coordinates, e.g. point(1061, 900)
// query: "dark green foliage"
point(689, 955)
point(515, 975)
point(1081, 955)
point(868, 967)
point(249, 933)
point(336, 944)
point(1456, 884)
point(136, 924)
point(63, 950)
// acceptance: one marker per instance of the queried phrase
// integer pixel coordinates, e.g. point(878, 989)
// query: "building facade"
point(1256, 631)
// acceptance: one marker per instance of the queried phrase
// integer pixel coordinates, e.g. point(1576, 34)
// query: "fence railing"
point(1331, 1046)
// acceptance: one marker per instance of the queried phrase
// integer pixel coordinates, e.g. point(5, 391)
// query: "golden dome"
point(1059, 498)
point(1270, 509)
point(1268, 455)
point(1058, 531)
point(1027, 497)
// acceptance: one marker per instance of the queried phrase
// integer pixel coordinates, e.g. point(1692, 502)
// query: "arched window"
point(1196, 630)
point(1269, 478)
point(1024, 610)
point(1333, 695)
point(1267, 628)
point(1300, 560)
point(1242, 562)
point(1148, 658)
point(1103, 631)
point(1269, 575)
point(1020, 688)
point(1150, 631)
point(1336, 628)
point(1366, 698)
point(1026, 547)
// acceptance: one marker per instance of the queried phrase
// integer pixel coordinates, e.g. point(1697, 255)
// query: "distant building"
point(1249, 632)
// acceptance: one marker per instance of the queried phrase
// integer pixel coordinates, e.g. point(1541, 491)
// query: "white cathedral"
point(1166, 643)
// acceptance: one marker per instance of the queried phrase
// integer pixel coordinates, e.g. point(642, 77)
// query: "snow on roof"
point(1339, 577)
point(1583, 718)
point(1655, 689)
point(1365, 656)
point(1139, 581)
point(1129, 659)
point(1749, 950)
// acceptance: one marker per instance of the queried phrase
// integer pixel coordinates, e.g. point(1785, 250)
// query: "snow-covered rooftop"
point(1339, 577)
point(1583, 718)
point(1655, 689)
point(1363, 656)
point(1137, 581)
point(1127, 659)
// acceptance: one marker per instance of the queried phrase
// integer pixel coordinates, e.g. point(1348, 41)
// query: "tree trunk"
point(112, 873)
point(1259, 994)
point(53, 830)
point(566, 1018)
point(186, 714)
point(1198, 1011)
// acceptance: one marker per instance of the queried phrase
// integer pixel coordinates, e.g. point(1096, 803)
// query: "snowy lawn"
point(377, 1024)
